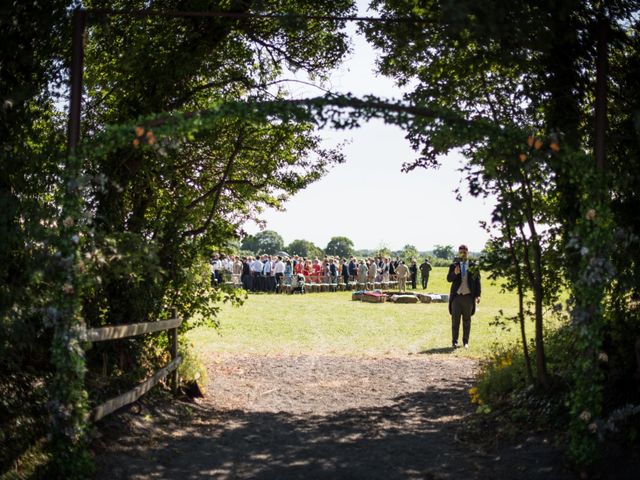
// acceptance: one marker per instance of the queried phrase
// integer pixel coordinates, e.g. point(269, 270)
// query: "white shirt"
point(279, 267)
point(256, 266)
point(266, 269)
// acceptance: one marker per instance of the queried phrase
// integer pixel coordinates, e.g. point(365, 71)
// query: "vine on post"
point(68, 405)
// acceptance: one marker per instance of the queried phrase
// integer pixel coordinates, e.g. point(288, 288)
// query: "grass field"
point(332, 324)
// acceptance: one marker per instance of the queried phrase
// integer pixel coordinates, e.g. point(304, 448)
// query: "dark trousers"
point(269, 283)
point(425, 281)
point(258, 283)
point(461, 308)
point(414, 279)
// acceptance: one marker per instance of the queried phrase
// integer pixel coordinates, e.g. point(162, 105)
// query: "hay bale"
point(423, 298)
point(373, 298)
point(405, 299)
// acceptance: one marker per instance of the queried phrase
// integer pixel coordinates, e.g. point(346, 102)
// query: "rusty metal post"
point(76, 74)
point(602, 67)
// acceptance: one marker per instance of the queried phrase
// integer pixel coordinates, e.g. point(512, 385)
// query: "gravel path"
point(319, 417)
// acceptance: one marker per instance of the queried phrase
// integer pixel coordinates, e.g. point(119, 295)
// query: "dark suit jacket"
point(456, 280)
point(353, 270)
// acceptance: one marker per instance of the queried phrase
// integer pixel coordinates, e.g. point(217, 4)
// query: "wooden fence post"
point(173, 345)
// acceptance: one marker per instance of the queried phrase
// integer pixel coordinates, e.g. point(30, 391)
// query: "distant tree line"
point(272, 243)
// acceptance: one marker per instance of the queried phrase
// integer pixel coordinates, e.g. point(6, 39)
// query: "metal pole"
point(602, 66)
point(76, 73)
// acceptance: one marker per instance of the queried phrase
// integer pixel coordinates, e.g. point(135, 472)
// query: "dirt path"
point(320, 417)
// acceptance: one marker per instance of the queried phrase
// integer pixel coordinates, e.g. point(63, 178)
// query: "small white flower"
point(584, 251)
point(585, 416)
point(603, 357)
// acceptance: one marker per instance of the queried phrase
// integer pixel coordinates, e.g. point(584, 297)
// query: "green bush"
point(191, 369)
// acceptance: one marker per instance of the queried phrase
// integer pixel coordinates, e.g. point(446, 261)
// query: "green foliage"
point(179, 149)
point(191, 369)
point(120, 232)
point(553, 221)
point(409, 253)
point(440, 262)
point(382, 251)
point(304, 248)
point(443, 251)
point(502, 374)
point(266, 241)
point(339, 246)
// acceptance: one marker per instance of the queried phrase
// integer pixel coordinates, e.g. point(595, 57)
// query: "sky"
point(368, 198)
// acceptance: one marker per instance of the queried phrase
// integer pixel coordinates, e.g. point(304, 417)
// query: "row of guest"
point(266, 273)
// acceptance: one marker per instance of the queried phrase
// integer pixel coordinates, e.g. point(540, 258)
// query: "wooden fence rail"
point(131, 330)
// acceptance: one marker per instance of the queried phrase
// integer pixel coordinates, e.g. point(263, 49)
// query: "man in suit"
point(353, 269)
point(465, 293)
point(425, 269)
point(345, 273)
point(413, 273)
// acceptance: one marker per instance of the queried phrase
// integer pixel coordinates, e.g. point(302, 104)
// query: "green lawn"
point(332, 324)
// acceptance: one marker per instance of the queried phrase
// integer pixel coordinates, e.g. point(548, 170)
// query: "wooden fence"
point(131, 330)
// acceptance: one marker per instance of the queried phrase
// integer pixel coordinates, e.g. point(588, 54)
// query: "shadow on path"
point(413, 437)
point(436, 351)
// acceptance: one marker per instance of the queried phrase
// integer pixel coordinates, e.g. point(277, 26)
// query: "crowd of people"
point(277, 273)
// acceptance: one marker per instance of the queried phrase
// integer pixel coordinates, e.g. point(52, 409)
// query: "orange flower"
point(523, 157)
point(139, 131)
point(538, 143)
point(136, 142)
point(530, 140)
point(554, 146)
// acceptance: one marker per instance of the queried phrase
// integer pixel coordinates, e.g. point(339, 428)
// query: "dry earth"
point(320, 417)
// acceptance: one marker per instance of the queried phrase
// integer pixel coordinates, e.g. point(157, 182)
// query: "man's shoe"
point(466, 345)
point(455, 344)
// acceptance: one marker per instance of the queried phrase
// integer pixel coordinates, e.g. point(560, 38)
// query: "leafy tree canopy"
point(443, 251)
point(267, 241)
point(339, 246)
point(304, 248)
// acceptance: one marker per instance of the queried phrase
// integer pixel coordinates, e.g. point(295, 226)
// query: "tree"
point(409, 252)
point(383, 251)
point(339, 246)
point(529, 100)
point(34, 333)
point(147, 196)
point(442, 251)
point(304, 248)
point(168, 188)
point(266, 241)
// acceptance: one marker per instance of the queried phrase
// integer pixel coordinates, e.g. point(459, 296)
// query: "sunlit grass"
point(333, 324)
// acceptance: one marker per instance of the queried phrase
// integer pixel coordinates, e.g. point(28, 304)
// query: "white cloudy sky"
point(369, 199)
